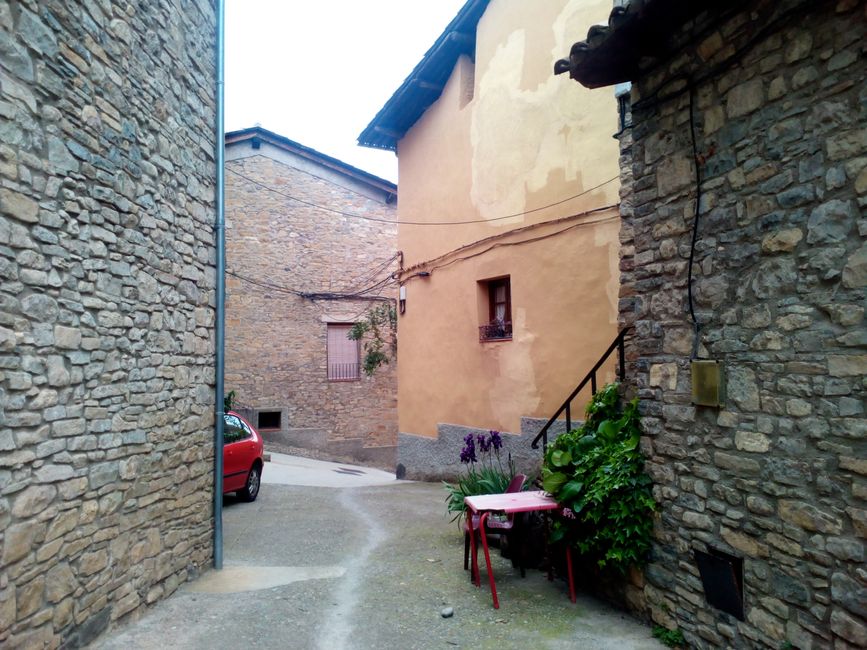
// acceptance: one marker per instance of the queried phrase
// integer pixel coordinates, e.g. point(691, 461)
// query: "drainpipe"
point(220, 334)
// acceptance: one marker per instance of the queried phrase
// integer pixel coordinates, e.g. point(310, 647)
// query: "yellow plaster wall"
point(525, 140)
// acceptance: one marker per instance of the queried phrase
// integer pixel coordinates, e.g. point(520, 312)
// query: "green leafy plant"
point(486, 473)
point(597, 473)
point(378, 329)
point(229, 401)
point(671, 638)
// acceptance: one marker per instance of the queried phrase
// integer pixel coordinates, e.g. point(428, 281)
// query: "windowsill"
point(496, 339)
point(343, 381)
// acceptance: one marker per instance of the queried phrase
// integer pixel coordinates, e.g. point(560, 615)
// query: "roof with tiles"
point(637, 32)
point(257, 135)
point(426, 82)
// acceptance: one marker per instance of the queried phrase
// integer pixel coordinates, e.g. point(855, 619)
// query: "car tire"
point(252, 483)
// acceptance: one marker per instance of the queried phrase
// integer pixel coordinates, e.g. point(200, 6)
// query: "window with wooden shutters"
point(343, 354)
point(499, 325)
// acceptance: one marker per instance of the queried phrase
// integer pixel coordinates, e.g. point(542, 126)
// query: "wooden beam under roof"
point(427, 85)
point(391, 133)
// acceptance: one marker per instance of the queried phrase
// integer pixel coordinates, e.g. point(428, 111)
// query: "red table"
point(509, 503)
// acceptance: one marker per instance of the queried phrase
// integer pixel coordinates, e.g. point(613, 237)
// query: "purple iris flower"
point(496, 440)
point(484, 443)
point(468, 453)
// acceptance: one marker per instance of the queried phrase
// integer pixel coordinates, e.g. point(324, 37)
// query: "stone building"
point(311, 245)
point(510, 281)
point(746, 175)
point(106, 311)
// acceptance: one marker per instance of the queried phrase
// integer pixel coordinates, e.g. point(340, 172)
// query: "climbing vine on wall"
point(597, 473)
point(378, 330)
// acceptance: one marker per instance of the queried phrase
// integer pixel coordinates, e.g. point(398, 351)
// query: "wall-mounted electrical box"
point(708, 387)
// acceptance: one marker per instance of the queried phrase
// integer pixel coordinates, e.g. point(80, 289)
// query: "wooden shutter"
point(342, 354)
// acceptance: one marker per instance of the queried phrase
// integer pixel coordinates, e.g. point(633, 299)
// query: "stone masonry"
point(276, 340)
point(106, 310)
point(777, 476)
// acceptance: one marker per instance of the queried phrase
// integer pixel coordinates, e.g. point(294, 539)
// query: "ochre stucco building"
point(502, 315)
point(310, 247)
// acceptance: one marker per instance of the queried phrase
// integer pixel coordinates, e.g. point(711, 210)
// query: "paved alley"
point(352, 558)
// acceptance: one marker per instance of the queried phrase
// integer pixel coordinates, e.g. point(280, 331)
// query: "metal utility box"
point(707, 383)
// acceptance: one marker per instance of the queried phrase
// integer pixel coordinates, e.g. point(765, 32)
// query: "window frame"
point(493, 285)
point(496, 329)
point(328, 364)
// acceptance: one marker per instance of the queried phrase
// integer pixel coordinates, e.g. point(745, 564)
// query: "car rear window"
point(233, 429)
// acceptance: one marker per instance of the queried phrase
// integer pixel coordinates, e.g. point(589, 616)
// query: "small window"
point(233, 429)
point(270, 419)
point(343, 354)
point(499, 324)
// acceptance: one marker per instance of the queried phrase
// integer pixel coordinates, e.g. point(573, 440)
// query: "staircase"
point(619, 345)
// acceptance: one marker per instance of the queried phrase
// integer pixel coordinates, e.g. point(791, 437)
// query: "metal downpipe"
point(220, 333)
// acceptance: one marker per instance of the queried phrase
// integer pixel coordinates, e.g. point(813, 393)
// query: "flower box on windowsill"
point(496, 331)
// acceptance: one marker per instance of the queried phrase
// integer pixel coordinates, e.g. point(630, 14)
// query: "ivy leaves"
point(379, 331)
point(597, 472)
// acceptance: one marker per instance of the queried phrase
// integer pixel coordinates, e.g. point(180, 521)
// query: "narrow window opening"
point(624, 106)
point(343, 354)
point(499, 298)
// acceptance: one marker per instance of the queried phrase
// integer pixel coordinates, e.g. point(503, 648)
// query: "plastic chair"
point(497, 526)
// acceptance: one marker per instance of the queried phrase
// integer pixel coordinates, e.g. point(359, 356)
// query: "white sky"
point(318, 72)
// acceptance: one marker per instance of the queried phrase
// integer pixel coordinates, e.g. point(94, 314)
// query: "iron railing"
point(496, 330)
point(343, 371)
point(618, 345)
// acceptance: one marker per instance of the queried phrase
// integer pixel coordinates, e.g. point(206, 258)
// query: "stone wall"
point(777, 476)
point(106, 310)
point(421, 458)
point(276, 353)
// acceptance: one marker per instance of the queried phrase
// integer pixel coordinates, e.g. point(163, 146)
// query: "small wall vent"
point(722, 576)
point(269, 420)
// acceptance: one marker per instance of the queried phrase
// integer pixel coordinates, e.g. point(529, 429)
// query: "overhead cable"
point(418, 223)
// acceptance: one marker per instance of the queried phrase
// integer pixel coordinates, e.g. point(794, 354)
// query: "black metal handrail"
point(591, 377)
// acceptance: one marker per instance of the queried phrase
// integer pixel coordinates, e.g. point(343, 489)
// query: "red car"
point(242, 457)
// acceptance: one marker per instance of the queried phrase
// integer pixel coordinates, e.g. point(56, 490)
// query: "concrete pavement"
point(352, 558)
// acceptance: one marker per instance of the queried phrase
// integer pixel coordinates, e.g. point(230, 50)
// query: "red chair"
point(495, 525)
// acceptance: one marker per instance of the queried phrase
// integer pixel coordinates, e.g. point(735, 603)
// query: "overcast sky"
point(317, 72)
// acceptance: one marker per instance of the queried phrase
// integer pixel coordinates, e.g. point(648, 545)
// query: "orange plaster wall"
point(526, 139)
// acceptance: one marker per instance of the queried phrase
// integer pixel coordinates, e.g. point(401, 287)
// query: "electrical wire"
point(420, 223)
point(368, 276)
point(432, 267)
point(320, 295)
point(691, 85)
point(362, 282)
point(697, 164)
point(411, 271)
